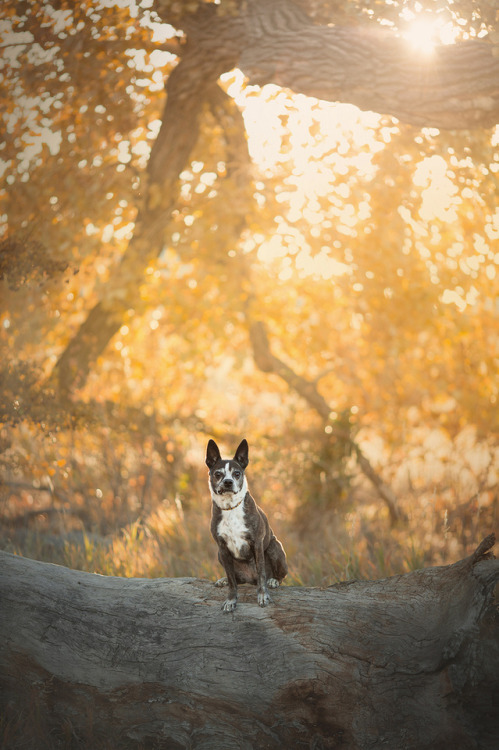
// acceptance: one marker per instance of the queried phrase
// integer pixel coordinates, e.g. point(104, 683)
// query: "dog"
point(247, 548)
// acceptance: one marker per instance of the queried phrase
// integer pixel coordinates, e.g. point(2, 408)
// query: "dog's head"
point(226, 478)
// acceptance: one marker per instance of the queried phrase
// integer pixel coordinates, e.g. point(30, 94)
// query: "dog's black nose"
point(227, 482)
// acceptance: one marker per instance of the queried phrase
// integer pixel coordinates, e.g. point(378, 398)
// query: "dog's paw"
point(229, 605)
point(263, 598)
point(273, 583)
point(221, 582)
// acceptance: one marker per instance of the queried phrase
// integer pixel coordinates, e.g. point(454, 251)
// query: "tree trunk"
point(188, 88)
point(406, 662)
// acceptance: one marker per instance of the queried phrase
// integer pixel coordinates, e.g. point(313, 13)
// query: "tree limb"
point(456, 87)
point(268, 362)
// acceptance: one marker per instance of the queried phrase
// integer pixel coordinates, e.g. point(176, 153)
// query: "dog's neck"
point(230, 500)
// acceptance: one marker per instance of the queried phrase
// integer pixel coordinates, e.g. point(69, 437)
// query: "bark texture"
point(407, 662)
point(456, 87)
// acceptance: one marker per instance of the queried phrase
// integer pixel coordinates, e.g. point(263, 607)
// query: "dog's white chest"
point(233, 530)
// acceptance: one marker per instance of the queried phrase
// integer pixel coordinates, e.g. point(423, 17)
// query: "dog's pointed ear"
point(212, 454)
point(241, 455)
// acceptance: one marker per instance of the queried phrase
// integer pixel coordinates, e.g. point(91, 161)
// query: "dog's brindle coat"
point(247, 548)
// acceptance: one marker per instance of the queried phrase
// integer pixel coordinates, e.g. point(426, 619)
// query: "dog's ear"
point(241, 455)
point(212, 454)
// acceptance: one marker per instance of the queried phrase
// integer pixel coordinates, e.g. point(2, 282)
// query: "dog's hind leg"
point(262, 593)
point(275, 563)
point(221, 581)
point(272, 581)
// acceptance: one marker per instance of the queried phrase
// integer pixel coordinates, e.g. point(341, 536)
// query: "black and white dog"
point(247, 547)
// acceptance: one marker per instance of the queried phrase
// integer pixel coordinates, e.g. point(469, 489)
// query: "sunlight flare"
point(424, 33)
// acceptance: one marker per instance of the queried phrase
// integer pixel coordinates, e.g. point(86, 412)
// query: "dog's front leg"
point(263, 597)
point(227, 561)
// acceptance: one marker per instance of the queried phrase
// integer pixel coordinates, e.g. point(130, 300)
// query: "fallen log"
point(410, 661)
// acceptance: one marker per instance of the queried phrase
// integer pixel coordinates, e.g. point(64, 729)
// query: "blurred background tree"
point(234, 218)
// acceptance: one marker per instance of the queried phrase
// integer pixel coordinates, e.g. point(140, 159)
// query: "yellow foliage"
point(367, 247)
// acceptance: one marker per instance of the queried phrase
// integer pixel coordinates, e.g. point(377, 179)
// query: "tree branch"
point(268, 362)
point(22, 518)
point(456, 87)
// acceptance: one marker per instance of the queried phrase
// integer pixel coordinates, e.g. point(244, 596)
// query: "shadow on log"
point(406, 662)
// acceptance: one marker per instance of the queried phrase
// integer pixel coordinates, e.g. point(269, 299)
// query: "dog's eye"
point(218, 474)
point(236, 474)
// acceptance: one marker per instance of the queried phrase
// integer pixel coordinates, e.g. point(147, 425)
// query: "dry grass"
point(448, 495)
point(172, 542)
point(102, 509)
